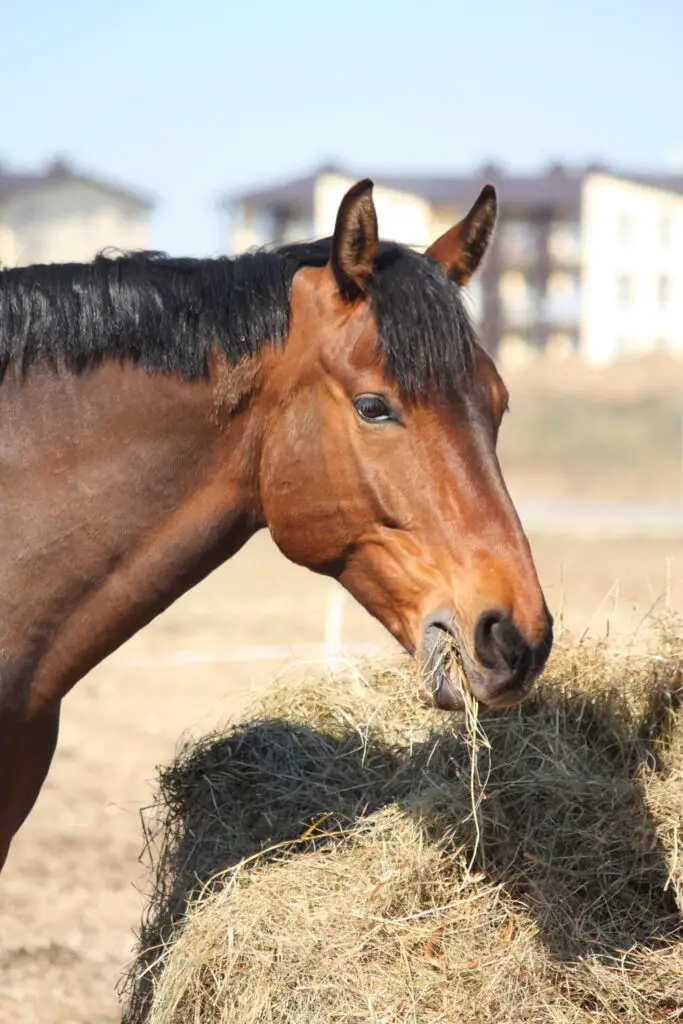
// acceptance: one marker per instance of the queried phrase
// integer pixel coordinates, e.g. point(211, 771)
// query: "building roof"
point(14, 183)
point(557, 186)
point(663, 182)
point(298, 192)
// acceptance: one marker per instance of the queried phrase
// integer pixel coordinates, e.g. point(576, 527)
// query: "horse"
point(156, 412)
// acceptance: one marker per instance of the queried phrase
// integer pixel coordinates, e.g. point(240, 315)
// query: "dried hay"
point(346, 855)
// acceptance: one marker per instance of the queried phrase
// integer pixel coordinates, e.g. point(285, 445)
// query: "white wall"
point(66, 221)
point(625, 253)
point(402, 217)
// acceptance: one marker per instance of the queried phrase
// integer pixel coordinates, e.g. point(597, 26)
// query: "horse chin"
point(444, 681)
point(447, 693)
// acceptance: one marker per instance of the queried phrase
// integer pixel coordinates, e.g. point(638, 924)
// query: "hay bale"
point(346, 855)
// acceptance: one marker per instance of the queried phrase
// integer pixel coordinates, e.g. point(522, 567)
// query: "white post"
point(333, 624)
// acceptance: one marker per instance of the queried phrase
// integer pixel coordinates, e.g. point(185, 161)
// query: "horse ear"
point(355, 241)
point(461, 248)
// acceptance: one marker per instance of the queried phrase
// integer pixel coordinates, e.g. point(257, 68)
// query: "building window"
point(562, 285)
point(625, 229)
point(512, 287)
point(262, 223)
point(564, 242)
point(561, 301)
point(663, 290)
point(519, 299)
point(624, 290)
point(518, 241)
point(298, 230)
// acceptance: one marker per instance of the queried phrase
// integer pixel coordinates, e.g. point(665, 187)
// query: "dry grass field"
point(68, 897)
point(610, 434)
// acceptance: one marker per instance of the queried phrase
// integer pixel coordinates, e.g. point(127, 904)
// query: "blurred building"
point(60, 215)
point(528, 295)
point(632, 267)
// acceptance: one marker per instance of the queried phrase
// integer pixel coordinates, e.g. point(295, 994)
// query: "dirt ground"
point(611, 433)
point(68, 897)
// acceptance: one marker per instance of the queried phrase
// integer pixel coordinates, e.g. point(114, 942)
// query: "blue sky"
point(190, 100)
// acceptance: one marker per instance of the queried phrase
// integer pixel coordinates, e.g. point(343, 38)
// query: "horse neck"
point(120, 490)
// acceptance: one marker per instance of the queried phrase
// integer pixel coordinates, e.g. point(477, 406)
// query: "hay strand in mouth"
point(476, 740)
point(321, 861)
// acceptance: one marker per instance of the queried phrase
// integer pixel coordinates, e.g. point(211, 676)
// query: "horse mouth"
point(444, 677)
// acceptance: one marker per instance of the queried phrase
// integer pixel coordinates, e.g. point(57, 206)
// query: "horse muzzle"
point(498, 668)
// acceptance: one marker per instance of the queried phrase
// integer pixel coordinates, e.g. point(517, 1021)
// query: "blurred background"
point(208, 128)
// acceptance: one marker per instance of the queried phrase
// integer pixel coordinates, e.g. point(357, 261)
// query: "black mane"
point(166, 314)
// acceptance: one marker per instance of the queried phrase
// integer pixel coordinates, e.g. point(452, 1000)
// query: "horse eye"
point(373, 409)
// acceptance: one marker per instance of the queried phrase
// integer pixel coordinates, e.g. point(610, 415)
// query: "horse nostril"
point(497, 641)
point(484, 638)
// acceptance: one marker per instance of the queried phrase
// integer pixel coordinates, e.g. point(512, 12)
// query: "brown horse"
point(155, 413)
